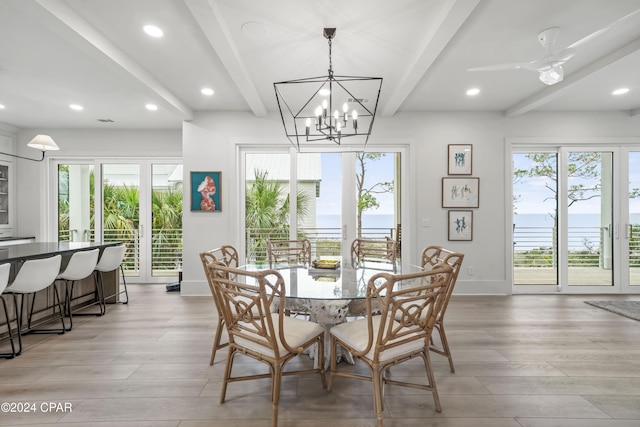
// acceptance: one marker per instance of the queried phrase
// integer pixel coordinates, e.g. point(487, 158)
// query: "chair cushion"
point(297, 332)
point(355, 335)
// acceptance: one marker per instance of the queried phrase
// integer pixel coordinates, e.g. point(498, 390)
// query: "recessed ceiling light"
point(620, 91)
point(324, 92)
point(151, 107)
point(207, 91)
point(2, 107)
point(473, 91)
point(76, 107)
point(153, 31)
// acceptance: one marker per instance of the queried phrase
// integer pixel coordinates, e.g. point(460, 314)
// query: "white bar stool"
point(35, 275)
point(111, 259)
point(80, 266)
point(4, 282)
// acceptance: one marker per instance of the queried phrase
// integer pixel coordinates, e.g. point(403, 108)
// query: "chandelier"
point(339, 109)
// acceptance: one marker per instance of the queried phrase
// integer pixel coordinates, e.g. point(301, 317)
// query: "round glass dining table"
point(330, 295)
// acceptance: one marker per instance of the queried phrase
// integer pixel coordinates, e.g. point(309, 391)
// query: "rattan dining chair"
point(289, 252)
point(408, 306)
point(247, 298)
point(228, 255)
point(432, 256)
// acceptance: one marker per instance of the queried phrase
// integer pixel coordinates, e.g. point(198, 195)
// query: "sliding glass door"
point(631, 224)
point(339, 196)
point(139, 203)
point(575, 216)
point(589, 199)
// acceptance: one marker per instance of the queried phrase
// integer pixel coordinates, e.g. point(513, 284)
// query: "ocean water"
point(520, 220)
point(368, 221)
point(585, 232)
point(583, 228)
point(575, 220)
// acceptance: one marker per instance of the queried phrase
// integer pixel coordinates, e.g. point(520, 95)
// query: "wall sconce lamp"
point(40, 142)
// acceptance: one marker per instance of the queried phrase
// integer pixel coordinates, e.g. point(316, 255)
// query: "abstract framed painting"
point(460, 192)
point(206, 191)
point(460, 159)
point(460, 225)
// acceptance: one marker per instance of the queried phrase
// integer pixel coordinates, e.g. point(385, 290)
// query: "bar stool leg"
point(13, 346)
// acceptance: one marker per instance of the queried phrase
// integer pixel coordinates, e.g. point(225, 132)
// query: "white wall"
point(31, 177)
point(209, 143)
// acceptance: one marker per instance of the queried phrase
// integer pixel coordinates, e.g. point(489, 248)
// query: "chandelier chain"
point(330, 62)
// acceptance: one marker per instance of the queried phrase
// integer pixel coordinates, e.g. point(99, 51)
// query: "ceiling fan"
point(549, 67)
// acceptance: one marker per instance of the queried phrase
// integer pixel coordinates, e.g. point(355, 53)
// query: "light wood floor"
point(534, 361)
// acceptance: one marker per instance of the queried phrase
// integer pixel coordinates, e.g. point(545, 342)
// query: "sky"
point(533, 191)
point(329, 202)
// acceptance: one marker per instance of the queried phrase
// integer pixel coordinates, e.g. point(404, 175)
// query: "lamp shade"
point(43, 143)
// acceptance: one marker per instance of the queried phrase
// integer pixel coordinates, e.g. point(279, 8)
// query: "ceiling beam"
point(453, 14)
point(209, 17)
point(95, 38)
point(552, 92)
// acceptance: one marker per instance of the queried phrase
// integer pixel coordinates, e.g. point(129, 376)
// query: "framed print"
point(205, 191)
point(460, 158)
point(460, 192)
point(461, 225)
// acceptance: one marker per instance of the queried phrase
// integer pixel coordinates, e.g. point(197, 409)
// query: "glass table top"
point(344, 282)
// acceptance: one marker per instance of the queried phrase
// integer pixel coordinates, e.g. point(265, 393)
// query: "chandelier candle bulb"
point(324, 108)
point(354, 114)
point(308, 126)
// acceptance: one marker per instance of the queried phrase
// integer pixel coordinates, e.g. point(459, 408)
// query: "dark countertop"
point(43, 249)
point(7, 239)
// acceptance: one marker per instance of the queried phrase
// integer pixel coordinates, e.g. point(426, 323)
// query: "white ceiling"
point(93, 52)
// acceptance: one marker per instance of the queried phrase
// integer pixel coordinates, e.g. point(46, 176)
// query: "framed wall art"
point(460, 159)
point(461, 225)
point(460, 192)
point(205, 191)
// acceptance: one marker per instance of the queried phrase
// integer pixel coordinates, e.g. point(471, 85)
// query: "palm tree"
point(267, 213)
point(166, 206)
point(121, 211)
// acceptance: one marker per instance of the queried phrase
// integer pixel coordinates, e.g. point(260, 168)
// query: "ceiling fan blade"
point(537, 65)
point(511, 66)
point(602, 31)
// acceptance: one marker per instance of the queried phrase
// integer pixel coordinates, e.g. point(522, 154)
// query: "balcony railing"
point(537, 247)
point(166, 250)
